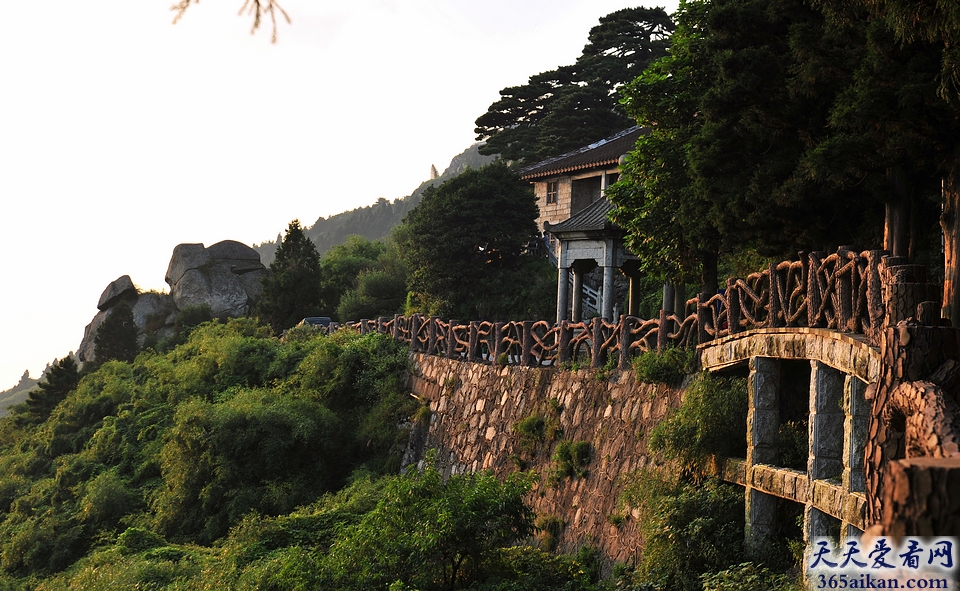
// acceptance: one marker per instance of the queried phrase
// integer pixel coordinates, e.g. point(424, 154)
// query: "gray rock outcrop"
point(226, 277)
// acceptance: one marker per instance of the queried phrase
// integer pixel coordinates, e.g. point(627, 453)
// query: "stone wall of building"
point(476, 406)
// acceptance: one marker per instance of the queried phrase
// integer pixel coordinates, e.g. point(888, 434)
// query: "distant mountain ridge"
point(374, 222)
point(18, 393)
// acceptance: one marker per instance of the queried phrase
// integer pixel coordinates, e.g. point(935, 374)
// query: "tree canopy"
point(462, 246)
point(572, 106)
point(292, 290)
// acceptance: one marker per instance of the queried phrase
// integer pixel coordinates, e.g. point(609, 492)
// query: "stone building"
point(570, 191)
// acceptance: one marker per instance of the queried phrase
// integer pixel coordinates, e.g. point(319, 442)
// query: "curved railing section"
point(846, 291)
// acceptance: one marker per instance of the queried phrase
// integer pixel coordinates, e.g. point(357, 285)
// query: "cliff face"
point(476, 409)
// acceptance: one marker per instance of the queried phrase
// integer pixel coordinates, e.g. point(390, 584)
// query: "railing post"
point(599, 356)
point(733, 306)
point(843, 287)
point(498, 342)
point(415, 322)
point(875, 305)
point(363, 326)
point(473, 349)
point(703, 311)
point(432, 335)
point(814, 301)
point(452, 340)
point(626, 339)
point(774, 305)
point(564, 355)
point(662, 330)
point(397, 333)
point(526, 346)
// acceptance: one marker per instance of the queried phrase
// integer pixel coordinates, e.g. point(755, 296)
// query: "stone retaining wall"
point(476, 406)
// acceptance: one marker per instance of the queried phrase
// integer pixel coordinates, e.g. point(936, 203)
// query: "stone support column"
point(563, 294)
point(577, 313)
point(609, 262)
point(763, 426)
point(826, 421)
point(856, 416)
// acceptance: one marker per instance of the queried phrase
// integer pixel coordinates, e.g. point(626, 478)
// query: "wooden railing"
point(846, 291)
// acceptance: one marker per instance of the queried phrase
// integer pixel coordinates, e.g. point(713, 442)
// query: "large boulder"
point(225, 276)
point(85, 352)
point(151, 311)
point(120, 289)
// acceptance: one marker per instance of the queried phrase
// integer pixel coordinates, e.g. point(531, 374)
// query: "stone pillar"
point(609, 267)
point(633, 304)
point(763, 426)
point(856, 416)
point(606, 305)
point(826, 422)
point(563, 294)
point(577, 312)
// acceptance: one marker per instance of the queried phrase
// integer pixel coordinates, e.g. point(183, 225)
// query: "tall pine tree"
point(292, 291)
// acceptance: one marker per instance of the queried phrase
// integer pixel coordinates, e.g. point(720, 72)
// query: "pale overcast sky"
point(122, 135)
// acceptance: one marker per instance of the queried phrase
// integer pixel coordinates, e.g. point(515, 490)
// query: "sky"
point(123, 135)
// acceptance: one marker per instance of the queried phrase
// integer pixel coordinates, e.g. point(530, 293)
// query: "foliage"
point(711, 420)
point(748, 576)
point(431, 533)
point(59, 381)
point(463, 243)
point(793, 445)
point(187, 442)
point(572, 106)
point(688, 528)
point(569, 460)
point(116, 337)
point(291, 291)
point(668, 366)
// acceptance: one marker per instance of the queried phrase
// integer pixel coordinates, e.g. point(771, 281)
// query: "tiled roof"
point(602, 153)
point(591, 218)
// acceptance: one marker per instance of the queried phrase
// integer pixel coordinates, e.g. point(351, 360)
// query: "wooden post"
point(662, 329)
point(415, 322)
point(703, 313)
point(498, 341)
point(815, 319)
point(526, 346)
point(733, 306)
point(626, 339)
point(451, 340)
point(432, 335)
point(599, 357)
point(473, 349)
point(843, 287)
point(564, 355)
point(775, 304)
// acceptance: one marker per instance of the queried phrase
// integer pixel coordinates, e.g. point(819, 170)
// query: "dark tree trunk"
point(896, 223)
point(708, 276)
point(950, 223)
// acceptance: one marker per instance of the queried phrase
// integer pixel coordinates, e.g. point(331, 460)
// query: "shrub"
point(569, 459)
point(688, 527)
point(748, 576)
point(793, 445)
point(667, 366)
point(712, 420)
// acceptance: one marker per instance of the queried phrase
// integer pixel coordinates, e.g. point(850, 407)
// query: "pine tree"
point(117, 336)
point(60, 380)
point(292, 291)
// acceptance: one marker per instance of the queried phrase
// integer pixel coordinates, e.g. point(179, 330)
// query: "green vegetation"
point(572, 106)
point(61, 378)
point(712, 420)
point(463, 244)
point(569, 460)
point(688, 527)
point(117, 336)
point(668, 366)
point(748, 576)
point(292, 290)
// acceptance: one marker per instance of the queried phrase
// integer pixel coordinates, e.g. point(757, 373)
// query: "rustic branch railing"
point(844, 291)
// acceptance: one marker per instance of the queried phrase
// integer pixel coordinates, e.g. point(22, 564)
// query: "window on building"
point(552, 192)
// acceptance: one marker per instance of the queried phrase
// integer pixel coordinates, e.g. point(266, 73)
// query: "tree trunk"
point(896, 223)
point(708, 276)
point(950, 223)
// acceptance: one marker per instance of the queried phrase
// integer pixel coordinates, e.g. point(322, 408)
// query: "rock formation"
point(225, 277)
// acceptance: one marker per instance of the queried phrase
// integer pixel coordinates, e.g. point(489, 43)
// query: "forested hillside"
point(374, 222)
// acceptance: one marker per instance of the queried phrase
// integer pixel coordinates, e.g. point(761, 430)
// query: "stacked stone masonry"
point(475, 407)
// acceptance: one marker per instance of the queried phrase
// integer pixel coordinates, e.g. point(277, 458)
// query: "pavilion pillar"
point(563, 294)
